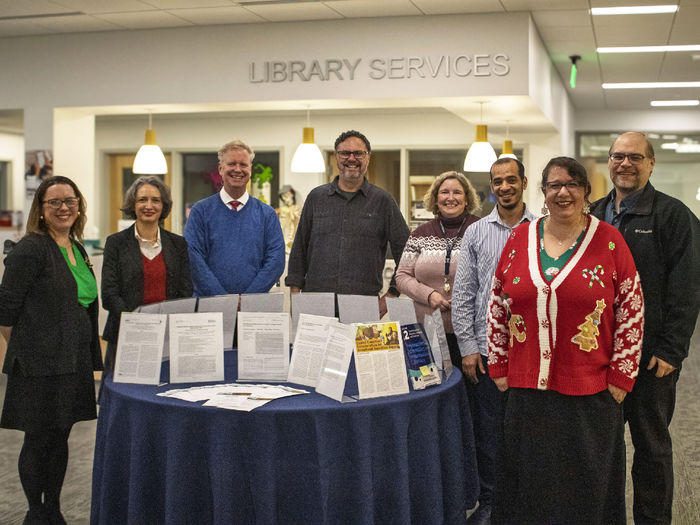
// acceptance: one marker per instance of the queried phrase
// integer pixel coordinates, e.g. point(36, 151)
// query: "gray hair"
point(235, 144)
point(128, 206)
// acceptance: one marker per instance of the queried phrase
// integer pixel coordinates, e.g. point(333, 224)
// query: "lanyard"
point(448, 252)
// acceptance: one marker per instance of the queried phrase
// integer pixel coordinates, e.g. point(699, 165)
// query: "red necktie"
point(235, 205)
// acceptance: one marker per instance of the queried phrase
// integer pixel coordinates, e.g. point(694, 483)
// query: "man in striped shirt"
point(482, 244)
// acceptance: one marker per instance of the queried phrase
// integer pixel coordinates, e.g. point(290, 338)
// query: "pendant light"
point(481, 154)
point(308, 158)
point(150, 159)
point(507, 151)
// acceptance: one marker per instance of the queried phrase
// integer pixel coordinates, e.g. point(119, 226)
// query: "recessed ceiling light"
point(649, 49)
point(634, 10)
point(649, 85)
point(668, 103)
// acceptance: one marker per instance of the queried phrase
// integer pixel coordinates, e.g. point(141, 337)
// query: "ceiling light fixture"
point(649, 85)
point(649, 49)
point(150, 159)
point(671, 103)
point(634, 10)
point(481, 154)
point(507, 151)
point(308, 158)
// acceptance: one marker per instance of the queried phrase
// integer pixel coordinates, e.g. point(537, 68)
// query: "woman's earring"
point(544, 210)
point(41, 217)
point(78, 214)
point(586, 209)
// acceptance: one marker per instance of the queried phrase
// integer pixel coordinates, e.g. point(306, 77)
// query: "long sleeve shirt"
point(482, 245)
point(234, 251)
point(340, 245)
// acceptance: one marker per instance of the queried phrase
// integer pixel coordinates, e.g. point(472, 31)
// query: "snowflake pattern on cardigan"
point(551, 314)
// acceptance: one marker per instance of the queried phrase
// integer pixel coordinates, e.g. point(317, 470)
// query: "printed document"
point(263, 346)
point(196, 347)
point(140, 348)
point(334, 370)
point(379, 360)
point(309, 347)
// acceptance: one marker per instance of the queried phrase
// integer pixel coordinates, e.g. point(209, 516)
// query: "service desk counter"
point(304, 459)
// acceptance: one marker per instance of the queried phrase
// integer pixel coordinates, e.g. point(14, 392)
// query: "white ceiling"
point(566, 28)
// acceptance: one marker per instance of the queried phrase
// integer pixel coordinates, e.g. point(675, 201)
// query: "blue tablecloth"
point(304, 460)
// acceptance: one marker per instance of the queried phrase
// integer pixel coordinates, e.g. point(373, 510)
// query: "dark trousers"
point(486, 404)
point(648, 410)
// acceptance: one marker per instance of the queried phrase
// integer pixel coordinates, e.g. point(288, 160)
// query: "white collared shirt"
point(150, 249)
point(243, 199)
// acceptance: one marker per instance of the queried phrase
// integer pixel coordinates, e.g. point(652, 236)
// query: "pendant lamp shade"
point(507, 152)
point(308, 158)
point(150, 159)
point(481, 154)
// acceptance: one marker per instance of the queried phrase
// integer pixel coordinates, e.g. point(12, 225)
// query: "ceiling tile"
point(190, 4)
point(681, 67)
point(634, 30)
point(440, 7)
point(217, 15)
point(563, 18)
point(365, 8)
point(144, 19)
point(76, 24)
point(31, 7)
point(291, 12)
point(21, 27)
point(630, 67)
point(104, 6)
point(532, 5)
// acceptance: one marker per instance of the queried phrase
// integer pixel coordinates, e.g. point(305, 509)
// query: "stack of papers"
point(234, 396)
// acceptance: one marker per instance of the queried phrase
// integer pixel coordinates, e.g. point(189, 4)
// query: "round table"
point(304, 459)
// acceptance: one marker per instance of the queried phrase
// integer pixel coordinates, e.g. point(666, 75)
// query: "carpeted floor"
point(76, 492)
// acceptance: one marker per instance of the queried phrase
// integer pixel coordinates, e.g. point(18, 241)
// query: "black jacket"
point(122, 274)
point(664, 238)
point(39, 300)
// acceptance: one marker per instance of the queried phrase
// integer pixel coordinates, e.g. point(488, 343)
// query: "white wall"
point(12, 150)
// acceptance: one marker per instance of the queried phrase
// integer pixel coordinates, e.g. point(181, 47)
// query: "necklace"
point(569, 238)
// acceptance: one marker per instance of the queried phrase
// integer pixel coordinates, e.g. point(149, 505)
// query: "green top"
point(87, 286)
point(552, 265)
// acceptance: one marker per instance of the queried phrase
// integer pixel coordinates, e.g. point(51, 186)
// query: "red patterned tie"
point(235, 205)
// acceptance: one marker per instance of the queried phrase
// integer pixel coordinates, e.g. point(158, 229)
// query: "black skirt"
point(56, 401)
point(563, 460)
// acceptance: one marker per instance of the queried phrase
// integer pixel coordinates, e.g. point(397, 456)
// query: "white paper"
point(228, 306)
point(358, 309)
point(314, 303)
point(196, 347)
point(435, 330)
point(379, 360)
point(263, 346)
point(334, 370)
point(309, 348)
point(139, 348)
point(401, 310)
point(262, 302)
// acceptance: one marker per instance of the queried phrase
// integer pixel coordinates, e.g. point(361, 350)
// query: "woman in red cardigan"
point(565, 329)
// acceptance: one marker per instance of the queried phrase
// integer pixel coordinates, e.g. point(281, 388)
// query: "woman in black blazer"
point(143, 264)
point(48, 314)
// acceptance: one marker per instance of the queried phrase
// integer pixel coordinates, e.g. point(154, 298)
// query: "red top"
point(574, 334)
point(153, 279)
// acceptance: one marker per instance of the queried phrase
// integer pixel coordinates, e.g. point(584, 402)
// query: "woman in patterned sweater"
point(428, 265)
point(565, 326)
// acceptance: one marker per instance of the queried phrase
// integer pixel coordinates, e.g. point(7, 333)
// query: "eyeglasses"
point(635, 158)
point(557, 186)
point(359, 155)
point(71, 202)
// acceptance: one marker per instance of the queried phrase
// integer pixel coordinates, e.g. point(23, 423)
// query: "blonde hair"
point(235, 144)
point(473, 202)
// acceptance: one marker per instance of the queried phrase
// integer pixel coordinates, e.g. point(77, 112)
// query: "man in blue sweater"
point(235, 241)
